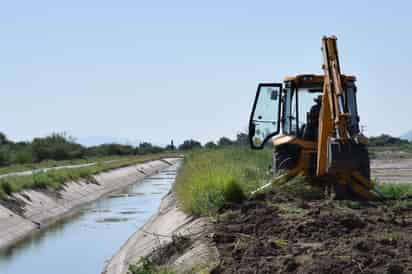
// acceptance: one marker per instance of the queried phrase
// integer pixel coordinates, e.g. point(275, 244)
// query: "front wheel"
point(285, 157)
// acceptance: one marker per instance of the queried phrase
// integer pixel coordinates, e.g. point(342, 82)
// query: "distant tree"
point(4, 156)
point(147, 148)
point(112, 149)
point(60, 146)
point(242, 139)
point(190, 144)
point(118, 149)
point(21, 153)
point(170, 146)
point(386, 140)
point(210, 145)
point(224, 141)
point(57, 146)
point(3, 139)
point(144, 148)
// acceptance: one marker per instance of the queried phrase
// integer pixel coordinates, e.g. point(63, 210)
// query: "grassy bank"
point(54, 179)
point(209, 178)
point(53, 163)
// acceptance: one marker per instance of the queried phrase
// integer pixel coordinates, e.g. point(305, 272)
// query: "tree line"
point(387, 140)
point(60, 146)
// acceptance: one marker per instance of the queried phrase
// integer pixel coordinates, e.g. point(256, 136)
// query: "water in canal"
point(83, 243)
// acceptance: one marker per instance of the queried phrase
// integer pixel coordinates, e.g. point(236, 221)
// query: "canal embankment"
point(31, 210)
point(281, 229)
point(183, 243)
point(179, 238)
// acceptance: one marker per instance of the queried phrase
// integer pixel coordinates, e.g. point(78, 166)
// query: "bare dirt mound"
point(279, 233)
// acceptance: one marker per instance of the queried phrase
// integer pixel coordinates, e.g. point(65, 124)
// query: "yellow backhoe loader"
point(313, 123)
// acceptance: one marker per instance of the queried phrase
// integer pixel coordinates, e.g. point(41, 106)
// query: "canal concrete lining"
point(170, 220)
point(31, 210)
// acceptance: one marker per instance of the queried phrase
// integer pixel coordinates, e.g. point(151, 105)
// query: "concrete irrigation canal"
point(84, 242)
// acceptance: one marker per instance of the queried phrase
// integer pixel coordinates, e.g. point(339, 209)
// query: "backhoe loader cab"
point(293, 109)
point(313, 123)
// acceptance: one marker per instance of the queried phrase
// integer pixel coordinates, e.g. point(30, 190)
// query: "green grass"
point(145, 266)
point(395, 191)
point(54, 179)
point(209, 178)
point(53, 163)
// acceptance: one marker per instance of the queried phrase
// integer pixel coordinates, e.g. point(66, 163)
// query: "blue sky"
point(157, 70)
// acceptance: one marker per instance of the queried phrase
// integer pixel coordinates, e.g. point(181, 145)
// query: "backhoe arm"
point(334, 125)
point(333, 121)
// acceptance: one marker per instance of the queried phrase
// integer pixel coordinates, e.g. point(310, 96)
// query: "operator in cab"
point(311, 129)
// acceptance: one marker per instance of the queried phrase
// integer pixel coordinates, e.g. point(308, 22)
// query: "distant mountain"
point(407, 136)
point(99, 140)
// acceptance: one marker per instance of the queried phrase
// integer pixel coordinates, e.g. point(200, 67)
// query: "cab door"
point(264, 120)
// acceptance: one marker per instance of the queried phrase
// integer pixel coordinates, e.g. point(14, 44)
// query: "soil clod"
point(277, 233)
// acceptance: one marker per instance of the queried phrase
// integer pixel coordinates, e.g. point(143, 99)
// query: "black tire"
point(285, 157)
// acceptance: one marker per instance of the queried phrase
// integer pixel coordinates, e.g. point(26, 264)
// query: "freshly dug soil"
point(279, 232)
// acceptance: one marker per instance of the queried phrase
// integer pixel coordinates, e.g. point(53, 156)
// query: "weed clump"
point(211, 178)
point(157, 262)
point(146, 266)
point(7, 189)
point(233, 192)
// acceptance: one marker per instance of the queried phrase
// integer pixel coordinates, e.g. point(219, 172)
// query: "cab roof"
point(308, 80)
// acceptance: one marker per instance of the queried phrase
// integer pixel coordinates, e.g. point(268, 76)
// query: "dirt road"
point(392, 170)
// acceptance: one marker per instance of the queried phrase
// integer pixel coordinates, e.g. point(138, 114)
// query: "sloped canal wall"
point(29, 211)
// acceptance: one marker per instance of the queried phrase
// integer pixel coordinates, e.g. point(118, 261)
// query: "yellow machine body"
point(328, 144)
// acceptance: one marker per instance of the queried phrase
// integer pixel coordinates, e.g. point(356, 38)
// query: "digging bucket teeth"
point(360, 187)
point(363, 188)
